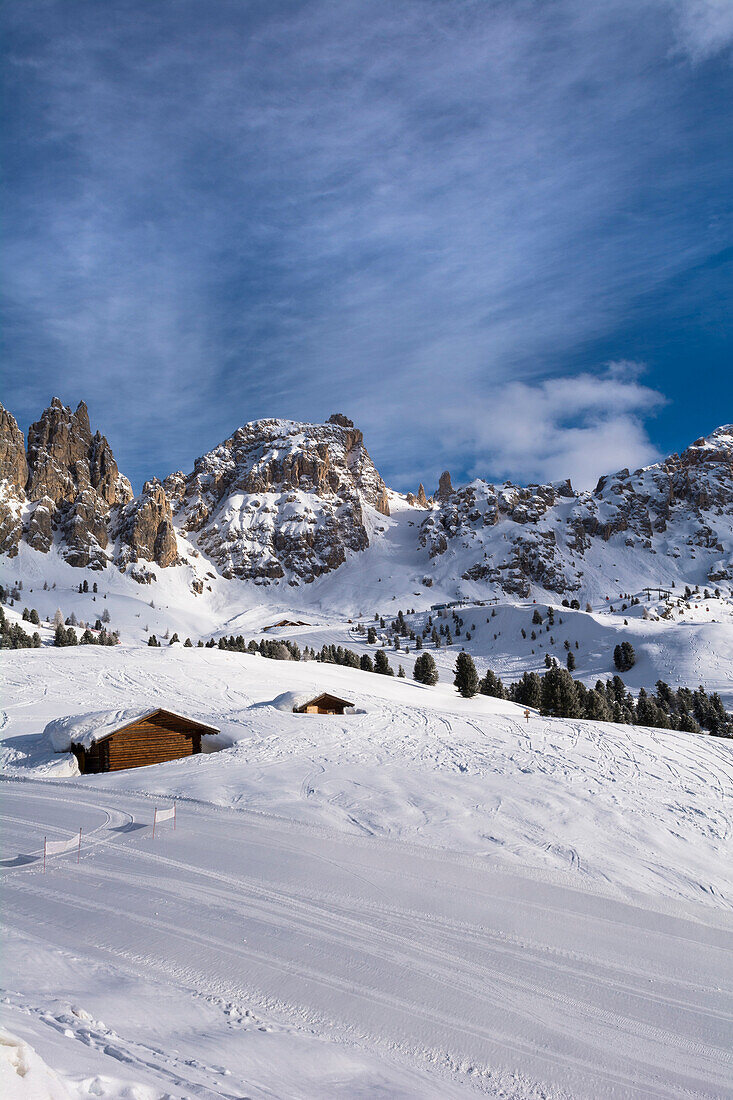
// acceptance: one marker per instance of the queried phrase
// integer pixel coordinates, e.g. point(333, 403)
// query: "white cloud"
point(625, 369)
point(704, 27)
point(578, 427)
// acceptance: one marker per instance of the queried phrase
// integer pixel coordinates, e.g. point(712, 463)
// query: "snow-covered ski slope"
point(432, 898)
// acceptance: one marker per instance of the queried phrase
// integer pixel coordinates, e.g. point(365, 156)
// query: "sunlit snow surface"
point(432, 898)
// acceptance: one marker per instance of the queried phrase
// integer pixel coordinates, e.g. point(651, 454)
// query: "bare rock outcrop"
point(13, 477)
point(64, 459)
point(445, 488)
point(419, 501)
point(13, 463)
point(73, 482)
point(145, 530)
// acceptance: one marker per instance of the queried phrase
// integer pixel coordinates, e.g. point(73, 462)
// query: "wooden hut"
point(324, 704)
point(148, 738)
point(283, 623)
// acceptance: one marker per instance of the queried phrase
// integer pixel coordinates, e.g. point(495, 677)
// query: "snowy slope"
point(693, 646)
point(432, 898)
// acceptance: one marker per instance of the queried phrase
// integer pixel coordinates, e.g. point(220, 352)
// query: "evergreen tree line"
point(287, 650)
point(12, 636)
point(557, 695)
point(66, 636)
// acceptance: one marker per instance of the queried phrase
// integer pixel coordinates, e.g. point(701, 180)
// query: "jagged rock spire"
point(445, 488)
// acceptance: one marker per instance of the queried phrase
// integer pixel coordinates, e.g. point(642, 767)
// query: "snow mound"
point(24, 1075)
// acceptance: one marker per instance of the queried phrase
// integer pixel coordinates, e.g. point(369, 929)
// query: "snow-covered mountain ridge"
point(675, 517)
point(282, 502)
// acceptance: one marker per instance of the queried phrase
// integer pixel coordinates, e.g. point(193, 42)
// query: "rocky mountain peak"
point(64, 459)
point(543, 534)
point(284, 500)
point(13, 463)
point(13, 478)
point(445, 488)
point(281, 498)
point(65, 483)
point(419, 501)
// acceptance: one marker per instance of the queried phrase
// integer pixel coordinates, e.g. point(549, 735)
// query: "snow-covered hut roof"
point(291, 701)
point(86, 729)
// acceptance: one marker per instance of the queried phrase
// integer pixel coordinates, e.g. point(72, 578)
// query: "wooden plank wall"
point(150, 741)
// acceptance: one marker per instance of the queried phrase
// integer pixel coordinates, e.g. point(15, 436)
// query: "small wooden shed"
point(149, 738)
point(324, 704)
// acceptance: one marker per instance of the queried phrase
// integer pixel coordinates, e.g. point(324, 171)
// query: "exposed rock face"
point(64, 459)
point(419, 501)
point(445, 489)
point(145, 528)
point(40, 525)
point(72, 483)
point(68, 489)
point(550, 536)
point(281, 499)
point(13, 464)
point(13, 477)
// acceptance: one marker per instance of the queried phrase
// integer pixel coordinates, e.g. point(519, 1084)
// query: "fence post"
point(154, 819)
point(44, 855)
point(78, 851)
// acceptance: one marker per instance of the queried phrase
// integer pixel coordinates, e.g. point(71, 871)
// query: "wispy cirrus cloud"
point(219, 212)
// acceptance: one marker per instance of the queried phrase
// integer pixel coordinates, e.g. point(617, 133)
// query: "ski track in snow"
point(428, 899)
point(429, 982)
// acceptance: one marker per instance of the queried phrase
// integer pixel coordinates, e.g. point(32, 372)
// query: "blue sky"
point(498, 235)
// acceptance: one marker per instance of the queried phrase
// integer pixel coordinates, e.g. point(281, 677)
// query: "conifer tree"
point(624, 656)
point(425, 671)
point(381, 664)
point(491, 685)
point(466, 677)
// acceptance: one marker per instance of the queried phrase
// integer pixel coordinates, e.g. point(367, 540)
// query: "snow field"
point(642, 809)
point(430, 898)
